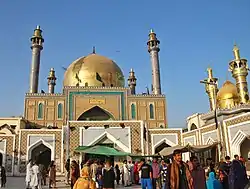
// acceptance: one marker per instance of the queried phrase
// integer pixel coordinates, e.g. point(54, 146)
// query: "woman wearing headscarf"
point(212, 182)
point(136, 173)
point(85, 180)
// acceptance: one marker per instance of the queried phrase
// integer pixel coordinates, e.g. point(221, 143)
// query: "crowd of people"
point(165, 174)
point(160, 173)
point(37, 174)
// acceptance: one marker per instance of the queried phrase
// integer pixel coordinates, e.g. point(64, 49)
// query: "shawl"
point(212, 183)
point(175, 177)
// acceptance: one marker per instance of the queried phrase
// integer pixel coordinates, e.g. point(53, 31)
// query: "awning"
point(100, 150)
point(168, 151)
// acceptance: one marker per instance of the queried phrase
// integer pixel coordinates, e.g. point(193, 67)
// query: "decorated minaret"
point(51, 81)
point(239, 70)
point(153, 49)
point(211, 86)
point(132, 81)
point(36, 46)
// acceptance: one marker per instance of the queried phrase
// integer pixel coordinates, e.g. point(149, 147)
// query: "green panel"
point(151, 111)
point(71, 94)
point(133, 112)
point(40, 111)
point(59, 111)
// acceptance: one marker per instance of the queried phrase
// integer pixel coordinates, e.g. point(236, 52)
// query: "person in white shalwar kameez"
point(28, 174)
point(34, 183)
point(125, 173)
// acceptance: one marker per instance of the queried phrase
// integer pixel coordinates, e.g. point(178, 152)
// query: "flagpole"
point(217, 126)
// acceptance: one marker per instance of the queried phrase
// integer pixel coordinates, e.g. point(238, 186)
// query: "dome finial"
point(93, 51)
point(236, 52)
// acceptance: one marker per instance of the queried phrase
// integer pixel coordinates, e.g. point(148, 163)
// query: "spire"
point(36, 46)
point(132, 81)
point(93, 51)
point(236, 52)
point(153, 49)
point(51, 80)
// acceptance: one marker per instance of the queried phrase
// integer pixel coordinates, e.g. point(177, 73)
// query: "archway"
point(193, 127)
point(41, 154)
point(245, 148)
point(161, 147)
point(95, 114)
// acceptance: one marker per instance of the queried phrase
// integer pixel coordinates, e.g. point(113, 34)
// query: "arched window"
point(40, 111)
point(193, 127)
point(151, 111)
point(59, 111)
point(133, 111)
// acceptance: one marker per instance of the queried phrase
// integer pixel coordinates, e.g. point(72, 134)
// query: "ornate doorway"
point(41, 154)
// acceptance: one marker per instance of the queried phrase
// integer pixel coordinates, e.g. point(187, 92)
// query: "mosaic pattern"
point(134, 126)
point(23, 146)
point(71, 95)
point(188, 134)
point(238, 120)
point(207, 129)
point(9, 151)
point(162, 131)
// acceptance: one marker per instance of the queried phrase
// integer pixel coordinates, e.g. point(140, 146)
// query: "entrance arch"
point(41, 152)
point(95, 114)
point(164, 143)
point(245, 148)
point(161, 147)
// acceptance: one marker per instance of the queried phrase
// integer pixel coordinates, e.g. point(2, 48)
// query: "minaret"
point(51, 81)
point(153, 49)
point(211, 86)
point(239, 70)
point(132, 81)
point(36, 46)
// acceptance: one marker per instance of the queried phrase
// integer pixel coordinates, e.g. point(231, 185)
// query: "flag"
point(98, 77)
point(147, 90)
point(215, 119)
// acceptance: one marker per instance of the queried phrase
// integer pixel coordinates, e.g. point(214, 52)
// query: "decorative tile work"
point(9, 151)
point(207, 129)
point(134, 126)
point(238, 120)
point(162, 131)
point(24, 147)
point(71, 95)
point(188, 134)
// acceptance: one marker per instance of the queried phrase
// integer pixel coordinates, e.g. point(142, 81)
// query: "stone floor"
point(19, 183)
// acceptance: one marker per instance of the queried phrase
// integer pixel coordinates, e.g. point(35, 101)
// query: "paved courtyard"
point(19, 183)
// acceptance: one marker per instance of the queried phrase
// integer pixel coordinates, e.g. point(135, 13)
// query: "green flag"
point(98, 77)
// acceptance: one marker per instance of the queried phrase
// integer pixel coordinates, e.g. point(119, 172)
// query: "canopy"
point(100, 150)
point(168, 151)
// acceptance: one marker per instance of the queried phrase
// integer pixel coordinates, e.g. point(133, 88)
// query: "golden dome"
point(227, 97)
point(93, 70)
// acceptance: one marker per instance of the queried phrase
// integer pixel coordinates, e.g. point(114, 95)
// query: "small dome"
point(94, 70)
point(227, 97)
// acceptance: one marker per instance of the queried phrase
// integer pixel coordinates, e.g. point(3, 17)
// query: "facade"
point(228, 120)
point(95, 107)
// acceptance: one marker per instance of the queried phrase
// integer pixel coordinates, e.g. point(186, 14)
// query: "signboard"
point(97, 101)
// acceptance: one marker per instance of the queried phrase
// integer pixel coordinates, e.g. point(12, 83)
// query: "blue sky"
point(194, 34)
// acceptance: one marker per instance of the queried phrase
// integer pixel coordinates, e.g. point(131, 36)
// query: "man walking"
point(179, 174)
point(146, 175)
